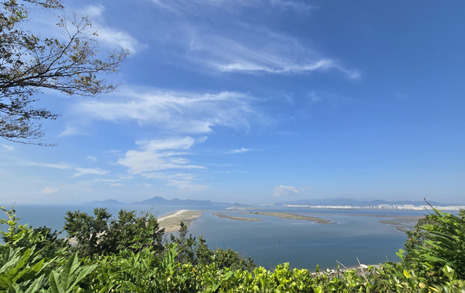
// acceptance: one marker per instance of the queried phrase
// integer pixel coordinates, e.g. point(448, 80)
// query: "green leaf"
point(35, 286)
point(54, 285)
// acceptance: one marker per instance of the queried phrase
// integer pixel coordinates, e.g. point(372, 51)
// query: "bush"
point(437, 241)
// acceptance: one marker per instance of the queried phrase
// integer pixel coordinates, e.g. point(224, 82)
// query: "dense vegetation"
point(128, 254)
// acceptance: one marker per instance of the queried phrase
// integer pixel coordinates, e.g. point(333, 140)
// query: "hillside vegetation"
point(129, 254)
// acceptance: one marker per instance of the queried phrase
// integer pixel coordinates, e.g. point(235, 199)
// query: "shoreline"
point(172, 221)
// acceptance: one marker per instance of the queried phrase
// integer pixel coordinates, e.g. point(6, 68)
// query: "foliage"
point(67, 279)
point(29, 63)
point(189, 250)
point(437, 241)
point(43, 239)
point(33, 260)
point(102, 235)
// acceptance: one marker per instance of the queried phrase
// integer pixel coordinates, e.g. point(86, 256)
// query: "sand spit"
point(171, 222)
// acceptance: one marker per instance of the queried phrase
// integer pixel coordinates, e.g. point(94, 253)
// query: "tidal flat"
point(401, 223)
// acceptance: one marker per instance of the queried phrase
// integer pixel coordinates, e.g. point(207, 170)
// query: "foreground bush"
point(32, 260)
point(437, 241)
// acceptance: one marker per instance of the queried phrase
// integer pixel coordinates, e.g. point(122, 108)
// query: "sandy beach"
point(171, 222)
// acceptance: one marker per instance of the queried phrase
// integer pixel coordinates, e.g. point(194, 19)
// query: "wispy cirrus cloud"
point(65, 166)
point(61, 166)
point(183, 181)
point(196, 6)
point(261, 52)
point(176, 112)
point(89, 171)
point(157, 155)
point(238, 151)
point(108, 35)
point(294, 5)
point(8, 147)
point(228, 45)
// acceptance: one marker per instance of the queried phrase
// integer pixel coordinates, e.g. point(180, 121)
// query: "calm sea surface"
point(303, 244)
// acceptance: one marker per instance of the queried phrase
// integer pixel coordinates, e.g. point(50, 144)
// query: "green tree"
point(30, 63)
point(189, 250)
point(102, 235)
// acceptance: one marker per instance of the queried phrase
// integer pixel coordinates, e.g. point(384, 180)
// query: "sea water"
point(304, 244)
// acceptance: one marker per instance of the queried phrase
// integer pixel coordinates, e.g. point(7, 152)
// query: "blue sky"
point(258, 101)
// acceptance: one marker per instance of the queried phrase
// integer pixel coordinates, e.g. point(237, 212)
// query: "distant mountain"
point(106, 202)
point(157, 200)
point(353, 202)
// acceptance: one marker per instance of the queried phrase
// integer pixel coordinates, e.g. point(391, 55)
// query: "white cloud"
point(110, 36)
point(294, 5)
point(176, 112)
point(122, 39)
point(196, 6)
point(183, 181)
point(283, 190)
point(94, 10)
point(61, 166)
point(277, 66)
point(227, 44)
point(74, 128)
point(239, 151)
point(263, 52)
point(49, 190)
point(158, 155)
point(8, 147)
point(91, 159)
point(89, 171)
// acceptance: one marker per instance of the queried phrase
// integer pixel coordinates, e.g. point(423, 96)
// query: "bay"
point(304, 244)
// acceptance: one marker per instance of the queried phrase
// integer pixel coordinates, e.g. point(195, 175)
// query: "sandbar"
point(292, 216)
point(172, 221)
point(220, 215)
point(402, 224)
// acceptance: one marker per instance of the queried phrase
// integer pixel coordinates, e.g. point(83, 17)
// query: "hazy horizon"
point(257, 102)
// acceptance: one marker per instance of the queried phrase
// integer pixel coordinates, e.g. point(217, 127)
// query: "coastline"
point(171, 221)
